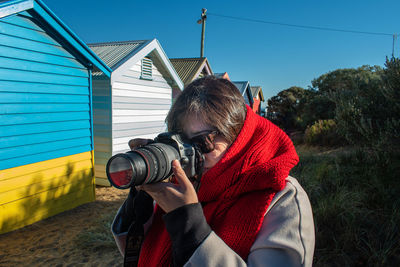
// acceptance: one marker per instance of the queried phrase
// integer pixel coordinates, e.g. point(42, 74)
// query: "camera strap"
point(134, 241)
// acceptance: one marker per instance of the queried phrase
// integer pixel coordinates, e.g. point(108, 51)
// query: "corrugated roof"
point(241, 86)
point(255, 90)
point(187, 67)
point(113, 53)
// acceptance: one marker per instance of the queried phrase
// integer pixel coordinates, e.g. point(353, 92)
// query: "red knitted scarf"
point(236, 192)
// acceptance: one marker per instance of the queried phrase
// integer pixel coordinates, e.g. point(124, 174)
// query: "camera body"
point(187, 152)
point(152, 163)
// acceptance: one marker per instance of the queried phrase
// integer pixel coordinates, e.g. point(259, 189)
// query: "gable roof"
point(39, 10)
point(223, 75)
point(255, 90)
point(242, 86)
point(189, 69)
point(114, 53)
point(122, 55)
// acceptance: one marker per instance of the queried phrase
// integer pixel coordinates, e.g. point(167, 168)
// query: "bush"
point(355, 205)
point(323, 133)
point(368, 114)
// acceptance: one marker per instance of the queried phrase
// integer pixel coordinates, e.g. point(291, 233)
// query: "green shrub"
point(355, 205)
point(368, 112)
point(323, 133)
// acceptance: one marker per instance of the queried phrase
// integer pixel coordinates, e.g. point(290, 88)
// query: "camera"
point(152, 163)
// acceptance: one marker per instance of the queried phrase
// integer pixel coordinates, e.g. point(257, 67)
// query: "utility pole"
point(202, 21)
point(394, 40)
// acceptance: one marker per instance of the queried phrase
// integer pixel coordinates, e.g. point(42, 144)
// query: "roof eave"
point(141, 52)
point(203, 65)
point(13, 7)
point(170, 67)
point(261, 95)
point(39, 8)
point(70, 36)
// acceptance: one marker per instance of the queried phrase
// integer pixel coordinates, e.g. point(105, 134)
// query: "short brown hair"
point(216, 101)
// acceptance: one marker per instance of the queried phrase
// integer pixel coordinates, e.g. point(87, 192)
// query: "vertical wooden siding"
point(44, 125)
point(102, 126)
point(139, 107)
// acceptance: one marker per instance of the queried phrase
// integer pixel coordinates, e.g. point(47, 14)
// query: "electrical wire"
point(301, 26)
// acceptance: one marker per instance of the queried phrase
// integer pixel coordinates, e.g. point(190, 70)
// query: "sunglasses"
point(204, 141)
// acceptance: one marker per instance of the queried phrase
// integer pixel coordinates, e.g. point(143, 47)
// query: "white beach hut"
point(135, 101)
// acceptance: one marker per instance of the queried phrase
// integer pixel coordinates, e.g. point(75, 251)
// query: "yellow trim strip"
point(43, 165)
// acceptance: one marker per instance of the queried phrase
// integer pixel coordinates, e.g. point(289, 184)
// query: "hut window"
point(147, 69)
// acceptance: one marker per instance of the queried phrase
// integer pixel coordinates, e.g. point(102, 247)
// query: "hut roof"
point(116, 54)
point(189, 69)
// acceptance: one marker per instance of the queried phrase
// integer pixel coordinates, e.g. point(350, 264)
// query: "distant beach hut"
point(46, 140)
point(223, 75)
point(245, 90)
point(135, 101)
point(258, 97)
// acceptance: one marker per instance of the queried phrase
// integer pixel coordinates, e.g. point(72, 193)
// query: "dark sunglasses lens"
point(204, 142)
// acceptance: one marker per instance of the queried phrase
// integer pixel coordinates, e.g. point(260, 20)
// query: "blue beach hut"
point(46, 120)
point(245, 89)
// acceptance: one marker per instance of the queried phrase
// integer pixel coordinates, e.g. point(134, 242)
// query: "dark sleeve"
point(187, 228)
point(125, 215)
point(138, 206)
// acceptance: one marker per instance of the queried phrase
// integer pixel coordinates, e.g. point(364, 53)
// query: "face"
point(194, 127)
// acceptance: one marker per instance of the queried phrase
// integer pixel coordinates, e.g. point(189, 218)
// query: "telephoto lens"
point(152, 163)
point(144, 165)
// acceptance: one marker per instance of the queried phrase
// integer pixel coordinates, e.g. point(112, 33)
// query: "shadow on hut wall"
point(69, 186)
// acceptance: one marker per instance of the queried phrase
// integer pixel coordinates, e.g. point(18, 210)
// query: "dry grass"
point(79, 237)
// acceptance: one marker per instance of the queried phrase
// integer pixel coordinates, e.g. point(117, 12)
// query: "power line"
point(301, 26)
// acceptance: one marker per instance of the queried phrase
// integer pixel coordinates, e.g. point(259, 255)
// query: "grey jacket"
point(286, 237)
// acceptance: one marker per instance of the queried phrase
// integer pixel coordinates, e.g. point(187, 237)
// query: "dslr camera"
point(152, 163)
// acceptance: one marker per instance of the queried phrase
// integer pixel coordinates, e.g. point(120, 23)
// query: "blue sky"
point(272, 56)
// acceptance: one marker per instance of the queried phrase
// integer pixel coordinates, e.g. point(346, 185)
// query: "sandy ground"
point(62, 240)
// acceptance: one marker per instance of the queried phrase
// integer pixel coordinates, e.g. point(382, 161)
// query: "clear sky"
point(272, 56)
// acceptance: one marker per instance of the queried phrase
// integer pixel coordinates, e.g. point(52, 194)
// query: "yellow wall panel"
point(57, 175)
point(36, 191)
point(43, 165)
point(42, 185)
point(20, 214)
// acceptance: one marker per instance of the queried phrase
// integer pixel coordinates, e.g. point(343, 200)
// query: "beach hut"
point(190, 69)
point(258, 97)
point(244, 88)
point(46, 140)
point(223, 75)
point(135, 101)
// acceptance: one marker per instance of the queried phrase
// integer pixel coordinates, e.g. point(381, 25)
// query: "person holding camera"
point(241, 209)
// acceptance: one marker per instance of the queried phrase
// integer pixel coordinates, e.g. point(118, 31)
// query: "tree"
point(367, 113)
point(283, 108)
point(345, 79)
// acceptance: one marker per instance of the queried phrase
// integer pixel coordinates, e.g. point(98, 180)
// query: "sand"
point(62, 240)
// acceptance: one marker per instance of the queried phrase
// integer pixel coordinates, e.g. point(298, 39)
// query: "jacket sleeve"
point(286, 237)
point(119, 231)
point(137, 204)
